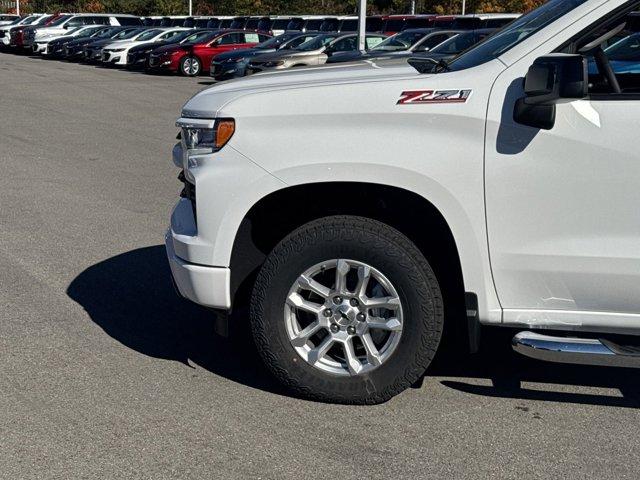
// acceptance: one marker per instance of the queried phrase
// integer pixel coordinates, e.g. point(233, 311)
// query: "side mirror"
point(552, 79)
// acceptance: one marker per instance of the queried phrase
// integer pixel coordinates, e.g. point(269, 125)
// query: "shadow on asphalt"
point(131, 298)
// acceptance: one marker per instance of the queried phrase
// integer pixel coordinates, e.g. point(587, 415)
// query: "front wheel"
point(190, 66)
point(346, 309)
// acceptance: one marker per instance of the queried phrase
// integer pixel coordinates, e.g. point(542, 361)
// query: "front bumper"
point(161, 63)
point(40, 48)
point(113, 57)
point(226, 71)
point(202, 284)
point(136, 59)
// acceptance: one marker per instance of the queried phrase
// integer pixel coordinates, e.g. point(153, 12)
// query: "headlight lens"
point(274, 64)
point(116, 50)
point(208, 140)
point(198, 139)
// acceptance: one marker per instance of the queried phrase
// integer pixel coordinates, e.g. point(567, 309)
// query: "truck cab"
point(351, 214)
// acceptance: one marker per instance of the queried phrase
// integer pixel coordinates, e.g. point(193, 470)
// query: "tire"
point(365, 243)
point(190, 66)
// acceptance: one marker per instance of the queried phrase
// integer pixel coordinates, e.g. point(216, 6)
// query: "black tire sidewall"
point(387, 251)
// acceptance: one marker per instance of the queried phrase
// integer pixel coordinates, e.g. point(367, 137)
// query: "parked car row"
point(179, 45)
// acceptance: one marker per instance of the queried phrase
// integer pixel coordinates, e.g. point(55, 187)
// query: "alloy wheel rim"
point(343, 317)
point(191, 66)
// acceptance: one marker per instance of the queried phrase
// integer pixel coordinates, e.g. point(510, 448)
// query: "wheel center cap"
point(345, 315)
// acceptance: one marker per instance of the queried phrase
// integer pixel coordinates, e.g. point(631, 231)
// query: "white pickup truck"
point(351, 213)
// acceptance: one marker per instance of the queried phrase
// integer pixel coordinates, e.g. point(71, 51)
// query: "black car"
point(413, 40)
point(92, 52)
point(73, 48)
point(234, 63)
point(138, 56)
point(56, 48)
point(456, 44)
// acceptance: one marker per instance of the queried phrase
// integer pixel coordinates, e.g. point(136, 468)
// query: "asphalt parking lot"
point(105, 373)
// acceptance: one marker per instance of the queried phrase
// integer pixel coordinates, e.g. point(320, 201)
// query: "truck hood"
point(208, 102)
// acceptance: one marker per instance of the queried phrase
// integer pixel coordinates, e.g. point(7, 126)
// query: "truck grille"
point(189, 192)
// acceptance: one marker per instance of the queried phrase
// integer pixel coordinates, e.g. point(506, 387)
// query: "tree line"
point(275, 7)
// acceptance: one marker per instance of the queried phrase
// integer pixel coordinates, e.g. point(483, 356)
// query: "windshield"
point(297, 41)
point(400, 41)
point(275, 41)
point(59, 21)
point(103, 33)
point(149, 34)
point(29, 20)
point(199, 37)
point(126, 34)
point(514, 33)
point(71, 31)
point(179, 36)
point(316, 43)
point(626, 49)
point(456, 44)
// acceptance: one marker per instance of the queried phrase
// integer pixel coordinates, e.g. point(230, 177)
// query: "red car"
point(193, 56)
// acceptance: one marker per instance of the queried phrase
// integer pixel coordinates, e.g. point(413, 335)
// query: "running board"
point(580, 351)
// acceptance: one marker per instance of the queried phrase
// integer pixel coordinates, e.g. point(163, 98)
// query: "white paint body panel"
point(438, 151)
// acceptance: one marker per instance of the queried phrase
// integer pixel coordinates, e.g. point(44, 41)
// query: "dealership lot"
point(106, 373)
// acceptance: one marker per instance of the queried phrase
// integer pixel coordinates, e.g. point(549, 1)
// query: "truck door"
point(563, 205)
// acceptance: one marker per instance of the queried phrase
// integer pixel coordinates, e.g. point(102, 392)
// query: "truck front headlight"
point(207, 139)
point(200, 138)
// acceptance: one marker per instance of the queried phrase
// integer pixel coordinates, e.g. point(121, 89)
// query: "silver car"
point(312, 52)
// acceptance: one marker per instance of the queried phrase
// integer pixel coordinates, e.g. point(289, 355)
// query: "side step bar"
point(580, 351)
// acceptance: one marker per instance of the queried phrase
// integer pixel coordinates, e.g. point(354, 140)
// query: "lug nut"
point(351, 330)
point(327, 313)
point(337, 300)
point(334, 328)
point(354, 302)
point(361, 317)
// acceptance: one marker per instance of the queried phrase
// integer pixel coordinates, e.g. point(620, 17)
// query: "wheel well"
point(278, 214)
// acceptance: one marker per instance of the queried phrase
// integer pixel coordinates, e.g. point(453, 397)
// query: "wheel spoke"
point(320, 351)
point(342, 268)
point(390, 324)
point(296, 300)
point(353, 364)
point(303, 337)
point(364, 274)
point(310, 284)
point(373, 356)
point(390, 303)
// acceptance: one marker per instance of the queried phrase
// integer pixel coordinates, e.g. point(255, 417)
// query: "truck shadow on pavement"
point(131, 298)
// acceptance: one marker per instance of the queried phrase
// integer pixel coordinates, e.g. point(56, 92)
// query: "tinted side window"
point(75, 22)
point(344, 45)
point(125, 21)
point(230, 39)
point(431, 42)
point(349, 26)
point(394, 25)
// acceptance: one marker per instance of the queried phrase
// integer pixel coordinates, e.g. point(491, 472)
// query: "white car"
point(7, 19)
point(69, 21)
point(41, 46)
point(116, 53)
point(352, 213)
point(5, 30)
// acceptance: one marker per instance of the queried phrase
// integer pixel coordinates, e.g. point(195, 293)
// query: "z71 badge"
point(434, 96)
